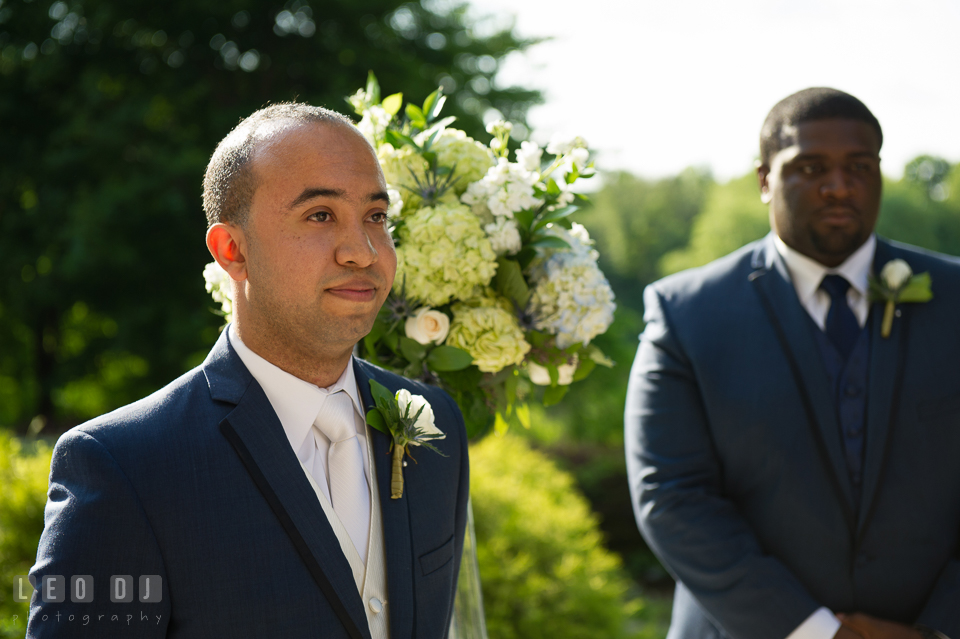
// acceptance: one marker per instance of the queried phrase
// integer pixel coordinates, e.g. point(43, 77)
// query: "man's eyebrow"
point(312, 193)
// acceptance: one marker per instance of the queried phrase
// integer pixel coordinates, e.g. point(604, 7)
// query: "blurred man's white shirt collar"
point(807, 273)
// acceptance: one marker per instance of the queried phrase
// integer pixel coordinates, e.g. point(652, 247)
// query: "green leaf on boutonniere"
point(897, 284)
point(408, 419)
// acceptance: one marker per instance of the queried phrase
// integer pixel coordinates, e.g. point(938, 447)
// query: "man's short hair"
point(229, 181)
point(809, 105)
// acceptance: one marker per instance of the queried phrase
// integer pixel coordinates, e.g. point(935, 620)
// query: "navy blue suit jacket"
point(198, 484)
point(736, 462)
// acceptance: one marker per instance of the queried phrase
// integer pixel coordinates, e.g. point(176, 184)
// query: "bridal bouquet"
point(498, 293)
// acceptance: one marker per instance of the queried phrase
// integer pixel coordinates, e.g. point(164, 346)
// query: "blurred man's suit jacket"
point(736, 459)
point(199, 484)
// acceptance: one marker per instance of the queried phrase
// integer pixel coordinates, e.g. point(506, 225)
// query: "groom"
point(794, 466)
point(248, 498)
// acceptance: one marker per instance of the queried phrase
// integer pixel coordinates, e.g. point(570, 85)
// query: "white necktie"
point(349, 491)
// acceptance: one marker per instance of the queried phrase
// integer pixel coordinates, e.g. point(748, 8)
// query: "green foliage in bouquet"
point(545, 571)
point(498, 291)
point(23, 474)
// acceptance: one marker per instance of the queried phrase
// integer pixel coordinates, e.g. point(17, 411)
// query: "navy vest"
point(848, 381)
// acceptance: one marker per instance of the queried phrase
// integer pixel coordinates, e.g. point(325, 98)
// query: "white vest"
point(371, 579)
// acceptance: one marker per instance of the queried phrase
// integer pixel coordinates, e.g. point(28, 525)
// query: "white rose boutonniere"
point(409, 420)
point(427, 326)
point(897, 284)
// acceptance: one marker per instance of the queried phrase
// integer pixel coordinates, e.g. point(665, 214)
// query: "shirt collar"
point(295, 401)
point(807, 273)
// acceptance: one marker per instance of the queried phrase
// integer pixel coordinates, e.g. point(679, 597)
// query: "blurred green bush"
point(24, 469)
point(544, 570)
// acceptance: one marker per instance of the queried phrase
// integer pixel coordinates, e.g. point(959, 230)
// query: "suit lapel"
point(886, 366)
point(398, 544)
point(789, 318)
point(255, 433)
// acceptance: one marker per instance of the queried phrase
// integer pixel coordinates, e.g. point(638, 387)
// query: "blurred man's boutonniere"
point(408, 419)
point(897, 284)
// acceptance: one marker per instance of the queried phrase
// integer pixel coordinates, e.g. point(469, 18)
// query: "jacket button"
point(852, 391)
point(376, 606)
point(862, 559)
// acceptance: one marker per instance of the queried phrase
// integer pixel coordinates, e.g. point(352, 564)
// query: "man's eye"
point(379, 217)
point(320, 216)
point(861, 167)
point(809, 169)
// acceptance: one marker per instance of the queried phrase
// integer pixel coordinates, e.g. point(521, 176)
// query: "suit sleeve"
point(676, 484)
point(95, 526)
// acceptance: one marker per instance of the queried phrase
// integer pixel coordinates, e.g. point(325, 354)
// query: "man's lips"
point(354, 291)
point(838, 215)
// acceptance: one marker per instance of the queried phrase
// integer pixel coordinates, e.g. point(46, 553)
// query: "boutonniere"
point(406, 418)
point(897, 284)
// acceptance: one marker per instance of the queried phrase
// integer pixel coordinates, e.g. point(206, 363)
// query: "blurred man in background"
point(791, 443)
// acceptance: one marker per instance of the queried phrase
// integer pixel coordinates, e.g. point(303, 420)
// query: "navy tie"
point(842, 327)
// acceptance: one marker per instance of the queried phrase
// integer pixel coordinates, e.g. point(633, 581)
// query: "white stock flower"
point(425, 422)
point(504, 236)
point(579, 157)
point(506, 189)
point(895, 274)
point(396, 203)
point(427, 326)
point(529, 155)
point(220, 287)
point(540, 375)
point(561, 144)
point(499, 126)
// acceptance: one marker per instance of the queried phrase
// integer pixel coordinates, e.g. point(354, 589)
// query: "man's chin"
point(838, 244)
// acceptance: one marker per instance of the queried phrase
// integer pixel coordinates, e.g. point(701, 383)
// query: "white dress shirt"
point(806, 275)
point(298, 403)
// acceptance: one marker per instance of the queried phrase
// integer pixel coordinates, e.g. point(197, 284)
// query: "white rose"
point(425, 423)
point(895, 274)
point(540, 376)
point(427, 325)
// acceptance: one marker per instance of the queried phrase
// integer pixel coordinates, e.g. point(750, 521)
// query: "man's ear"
point(227, 244)
point(763, 172)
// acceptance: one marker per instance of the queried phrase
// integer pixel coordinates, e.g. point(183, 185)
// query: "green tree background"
point(109, 112)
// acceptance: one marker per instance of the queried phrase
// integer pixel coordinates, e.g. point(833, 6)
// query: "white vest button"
point(375, 605)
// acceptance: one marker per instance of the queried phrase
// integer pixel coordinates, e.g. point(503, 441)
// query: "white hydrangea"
point(374, 124)
point(504, 236)
point(571, 298)
point(506, 189)
point(220, 286)
point(529, 156)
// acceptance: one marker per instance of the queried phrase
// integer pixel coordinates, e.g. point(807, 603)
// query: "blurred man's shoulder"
point(713, 278)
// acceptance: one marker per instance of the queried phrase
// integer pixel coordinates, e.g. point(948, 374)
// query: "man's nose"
point(354, 247)
point(836, 184)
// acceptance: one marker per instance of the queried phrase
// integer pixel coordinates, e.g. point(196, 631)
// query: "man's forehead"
point(822, 136)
